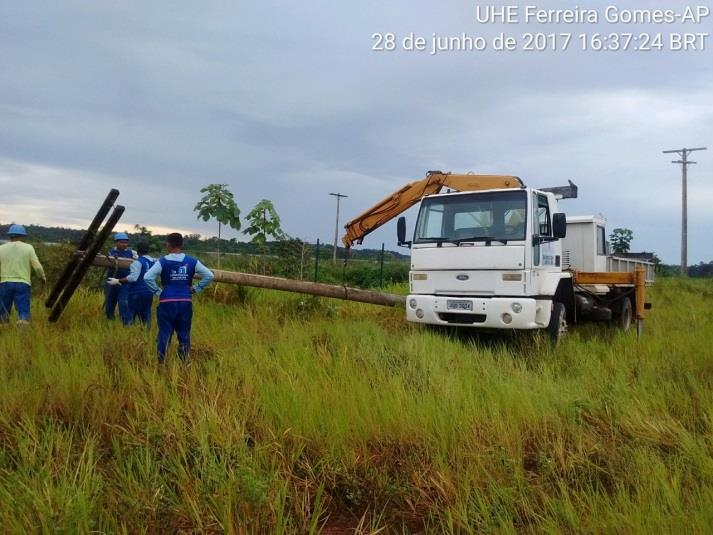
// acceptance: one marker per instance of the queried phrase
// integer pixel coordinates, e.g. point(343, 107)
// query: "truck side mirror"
point(401, 230)
point(559, 225)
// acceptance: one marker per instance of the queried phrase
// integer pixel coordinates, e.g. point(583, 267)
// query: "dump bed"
point(628, 265)
point(585, 248)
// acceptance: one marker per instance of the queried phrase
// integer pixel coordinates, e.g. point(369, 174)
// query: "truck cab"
point(488, 259)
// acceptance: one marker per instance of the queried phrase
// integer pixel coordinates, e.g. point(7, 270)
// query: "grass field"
point(300, 416)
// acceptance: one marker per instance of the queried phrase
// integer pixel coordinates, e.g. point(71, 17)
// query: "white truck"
point(496, 254)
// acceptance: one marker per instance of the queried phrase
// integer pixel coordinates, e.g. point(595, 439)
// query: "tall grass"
point(298, 415)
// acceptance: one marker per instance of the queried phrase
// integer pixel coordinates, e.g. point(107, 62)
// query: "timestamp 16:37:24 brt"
point(642, 42)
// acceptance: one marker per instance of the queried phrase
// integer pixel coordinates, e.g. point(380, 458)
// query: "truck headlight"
point(419, 314)
point(516, 308)
point(412, 303)
point(507, 319)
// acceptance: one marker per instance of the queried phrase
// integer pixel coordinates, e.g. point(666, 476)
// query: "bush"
point(54, 258)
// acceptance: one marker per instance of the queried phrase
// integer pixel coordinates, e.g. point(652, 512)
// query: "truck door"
point(542, 228)
point(545, 252)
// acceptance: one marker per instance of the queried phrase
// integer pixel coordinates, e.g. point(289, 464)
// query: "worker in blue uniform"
point(175, 304)
point(114, 292)
point(140, 297)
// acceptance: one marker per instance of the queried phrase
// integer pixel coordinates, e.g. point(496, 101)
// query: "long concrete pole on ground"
point(285, 285)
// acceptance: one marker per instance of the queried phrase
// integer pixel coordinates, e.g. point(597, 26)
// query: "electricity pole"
point(685, 162)
point(336, 226)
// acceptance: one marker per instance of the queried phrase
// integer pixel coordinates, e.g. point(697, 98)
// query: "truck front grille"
point(462, 319)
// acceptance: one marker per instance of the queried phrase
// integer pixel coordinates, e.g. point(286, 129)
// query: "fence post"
point(381, 268)
point(316, 261)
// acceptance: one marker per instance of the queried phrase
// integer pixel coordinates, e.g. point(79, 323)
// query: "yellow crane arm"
point(411, 193)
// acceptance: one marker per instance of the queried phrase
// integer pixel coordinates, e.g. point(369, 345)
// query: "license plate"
point(458, 304)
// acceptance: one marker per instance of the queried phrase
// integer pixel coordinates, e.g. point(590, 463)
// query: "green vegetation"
point(218, 203)
point(299, 415)
point(702, 269)
point(292, 259)
point(620, 239)
point(194, 242)
point(264, 223)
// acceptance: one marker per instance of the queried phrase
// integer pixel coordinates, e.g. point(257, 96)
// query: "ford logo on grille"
point(462, 277)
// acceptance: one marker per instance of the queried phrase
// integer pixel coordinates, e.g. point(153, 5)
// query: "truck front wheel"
point(557, 328)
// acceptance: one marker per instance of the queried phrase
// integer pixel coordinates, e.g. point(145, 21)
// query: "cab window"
point(544, 224)
point(431, 222)
point(601, 241)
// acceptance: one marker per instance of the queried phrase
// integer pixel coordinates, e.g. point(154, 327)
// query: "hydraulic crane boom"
point(413, 192)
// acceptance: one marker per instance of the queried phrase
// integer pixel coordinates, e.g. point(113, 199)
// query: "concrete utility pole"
point(276, 283)
point(336, 226)
point(685, 162)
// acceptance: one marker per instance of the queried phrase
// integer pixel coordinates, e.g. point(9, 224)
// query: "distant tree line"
point(702, 269)
point(47, 234)
point(197, 244)
point(293, 251)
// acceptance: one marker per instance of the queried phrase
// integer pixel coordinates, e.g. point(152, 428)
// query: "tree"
point(218, 203)
point(264, 223)
point(145, 235)
point(620, 239)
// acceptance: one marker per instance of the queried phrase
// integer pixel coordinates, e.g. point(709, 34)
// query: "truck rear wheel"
point(557, 328)
point(626, 315)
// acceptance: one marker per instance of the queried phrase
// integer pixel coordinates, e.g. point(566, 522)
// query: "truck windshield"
point(489, 216)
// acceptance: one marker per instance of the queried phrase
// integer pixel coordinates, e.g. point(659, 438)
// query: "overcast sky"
point(287, 101)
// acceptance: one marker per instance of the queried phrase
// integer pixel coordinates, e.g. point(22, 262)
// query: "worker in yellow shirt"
point(16, 260)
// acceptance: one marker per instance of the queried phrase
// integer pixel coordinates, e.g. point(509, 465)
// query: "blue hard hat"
point(17, 230)
point(121, 236)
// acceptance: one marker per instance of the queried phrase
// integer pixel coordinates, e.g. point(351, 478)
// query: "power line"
point(685, 162)
point(339, 196)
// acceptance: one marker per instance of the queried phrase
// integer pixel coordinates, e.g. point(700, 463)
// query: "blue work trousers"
point(17, 293)
point(114, 295)
point(174, 316)
point(140, 306)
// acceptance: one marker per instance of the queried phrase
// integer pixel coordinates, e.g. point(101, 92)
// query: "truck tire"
point(557, 328)
point(626, 315)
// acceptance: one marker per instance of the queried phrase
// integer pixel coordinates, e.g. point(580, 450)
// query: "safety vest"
point(139, 287)
point(177, 279)
point(120, 273)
